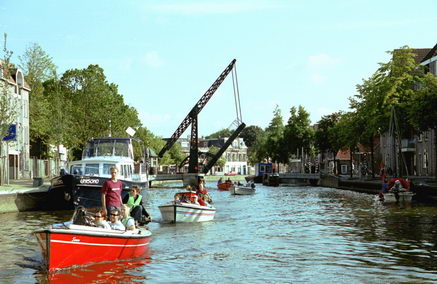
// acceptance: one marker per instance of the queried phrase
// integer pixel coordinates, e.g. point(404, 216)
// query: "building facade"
point(16, 144)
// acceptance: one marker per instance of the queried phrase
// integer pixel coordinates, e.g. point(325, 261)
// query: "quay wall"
point(25, 200)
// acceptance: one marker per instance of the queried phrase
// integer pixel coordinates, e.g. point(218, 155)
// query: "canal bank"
point(24, 195)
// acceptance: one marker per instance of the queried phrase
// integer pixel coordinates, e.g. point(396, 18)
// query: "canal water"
point(293, 234)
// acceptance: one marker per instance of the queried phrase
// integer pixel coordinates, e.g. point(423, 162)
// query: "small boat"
point(401, 197)
point(177, 211)
point(66, 244)
point(242, 190)
point(224, 185)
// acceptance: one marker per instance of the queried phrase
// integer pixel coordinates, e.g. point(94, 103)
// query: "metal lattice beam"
point(196, 109)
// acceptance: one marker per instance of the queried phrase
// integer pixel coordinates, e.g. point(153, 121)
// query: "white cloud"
point(152, 59)
point(212, 7)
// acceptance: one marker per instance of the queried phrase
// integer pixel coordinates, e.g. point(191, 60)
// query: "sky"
point(165, 54)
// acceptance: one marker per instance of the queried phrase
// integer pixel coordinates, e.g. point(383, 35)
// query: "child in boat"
point(126, 219)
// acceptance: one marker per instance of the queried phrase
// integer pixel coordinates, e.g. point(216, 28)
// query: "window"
point(92, 169)
point(344, 169)
point(425, 160)
point(106, 168)
point(76, 169)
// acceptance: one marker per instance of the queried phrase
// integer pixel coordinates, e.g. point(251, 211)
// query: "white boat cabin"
point(103, 153)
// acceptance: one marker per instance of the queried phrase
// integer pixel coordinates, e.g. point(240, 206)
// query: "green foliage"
point(220, 134)
point(38, 67)
point(274, 137)
point(422, 108)
point(221, 161)
point(93, 105)
point(298, 133)
point(251, 134)
point(393, 84)
point(324, 134)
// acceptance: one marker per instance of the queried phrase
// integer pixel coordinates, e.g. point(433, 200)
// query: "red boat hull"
point(63, 248)
point(224, 186)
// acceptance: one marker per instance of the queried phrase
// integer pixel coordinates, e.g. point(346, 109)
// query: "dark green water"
point(278, 235)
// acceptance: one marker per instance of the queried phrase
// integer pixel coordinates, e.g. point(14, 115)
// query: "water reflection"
point(112, 272)
point(283, 234)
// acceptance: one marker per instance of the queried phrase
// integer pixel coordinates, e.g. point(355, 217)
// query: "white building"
point(16, 149)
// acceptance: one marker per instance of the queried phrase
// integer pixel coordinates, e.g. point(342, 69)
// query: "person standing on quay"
point(111, 192)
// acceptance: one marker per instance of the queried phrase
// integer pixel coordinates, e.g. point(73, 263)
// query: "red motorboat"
point(224, 185)
point(65, 245)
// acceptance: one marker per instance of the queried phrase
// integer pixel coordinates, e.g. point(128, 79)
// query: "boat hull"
point(186, 212)
point(224, 186)
point(241, 190)
point(82, 245)
point(405, 197)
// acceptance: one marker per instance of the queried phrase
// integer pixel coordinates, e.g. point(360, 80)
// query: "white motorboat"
point(401, 197)
point(177, 211)
point(242, 189)
point(81, 183)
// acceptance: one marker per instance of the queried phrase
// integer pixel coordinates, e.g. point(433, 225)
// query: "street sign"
point(12, 133)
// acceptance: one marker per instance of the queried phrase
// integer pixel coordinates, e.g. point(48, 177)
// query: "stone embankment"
point(23, 195)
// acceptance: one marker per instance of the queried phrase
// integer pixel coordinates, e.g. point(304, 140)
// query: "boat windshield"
point(108, 147)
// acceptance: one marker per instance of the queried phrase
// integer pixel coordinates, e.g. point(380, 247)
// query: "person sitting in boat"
point(134, 200)
point(189, 196)
point(115, 223)
point(251, 184)
point(99, 220)
point(397, 187)
point(229, 181)
point(202, 193)
point(127, 221)
point(220, 181)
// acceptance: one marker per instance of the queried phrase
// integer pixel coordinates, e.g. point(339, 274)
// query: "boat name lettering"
point(89, 181)
point(75, 240)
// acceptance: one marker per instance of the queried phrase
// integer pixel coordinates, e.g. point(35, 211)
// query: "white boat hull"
point(402, 197)
point(241, 190)
point(186, 212)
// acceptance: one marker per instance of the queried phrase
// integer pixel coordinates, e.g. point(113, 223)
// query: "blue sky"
point(165, 54)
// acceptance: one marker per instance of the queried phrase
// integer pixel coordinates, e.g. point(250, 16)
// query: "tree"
point(298, 133)
point(95, 106)
point(423, 105)
point(251, 134)
point(38, 67)
point(220, 134)
point(274, 138)
point(394, 84)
